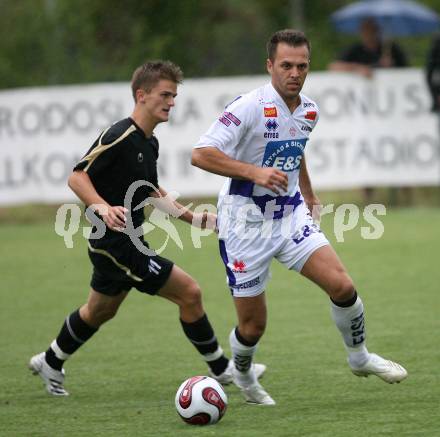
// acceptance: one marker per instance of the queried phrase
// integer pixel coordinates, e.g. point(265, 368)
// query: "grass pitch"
point(123, 381)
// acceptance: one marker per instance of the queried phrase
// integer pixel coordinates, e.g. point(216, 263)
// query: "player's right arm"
point(81, 184)
point(211, 159)
point(218, 148)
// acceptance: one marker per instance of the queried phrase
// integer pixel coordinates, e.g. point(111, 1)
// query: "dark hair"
point(291, 37)
point(147, 75)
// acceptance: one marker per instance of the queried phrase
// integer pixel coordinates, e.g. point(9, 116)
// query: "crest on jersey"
point(140, 157)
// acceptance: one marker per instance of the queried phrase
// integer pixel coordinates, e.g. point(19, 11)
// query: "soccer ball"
point(201, 400)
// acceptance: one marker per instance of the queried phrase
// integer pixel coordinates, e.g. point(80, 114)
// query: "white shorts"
point(248, 249)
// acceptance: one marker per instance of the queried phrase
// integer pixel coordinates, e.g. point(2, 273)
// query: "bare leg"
point(100, 308)
point(252, 319)
point(185, 293)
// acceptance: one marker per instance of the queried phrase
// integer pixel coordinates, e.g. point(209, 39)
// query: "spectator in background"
point(363, 57)
point(369, 53)
point(433, 74)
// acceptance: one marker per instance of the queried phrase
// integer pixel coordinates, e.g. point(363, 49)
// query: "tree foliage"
point(75, 41)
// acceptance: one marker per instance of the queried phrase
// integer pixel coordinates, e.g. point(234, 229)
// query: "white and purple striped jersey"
point(259, 128)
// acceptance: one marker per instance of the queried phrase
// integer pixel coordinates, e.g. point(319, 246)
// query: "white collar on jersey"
point(280, 101)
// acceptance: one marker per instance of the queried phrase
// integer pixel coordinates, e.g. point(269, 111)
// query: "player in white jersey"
point(264, 211)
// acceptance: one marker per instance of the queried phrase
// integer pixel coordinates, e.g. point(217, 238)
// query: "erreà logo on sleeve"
point(270, 112)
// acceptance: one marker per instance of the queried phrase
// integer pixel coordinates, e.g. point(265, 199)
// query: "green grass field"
point(123, 381)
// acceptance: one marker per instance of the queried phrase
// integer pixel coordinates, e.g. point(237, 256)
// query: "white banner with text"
point(372, 132)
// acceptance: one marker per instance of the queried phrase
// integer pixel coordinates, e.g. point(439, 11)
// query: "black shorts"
point(119, 266)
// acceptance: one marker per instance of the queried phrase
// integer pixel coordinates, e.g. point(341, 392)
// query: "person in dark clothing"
point(433, 73)
point(369, 53)
point(363, 57)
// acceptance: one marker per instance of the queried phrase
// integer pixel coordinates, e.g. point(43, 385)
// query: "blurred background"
point(52, 42)
point(377, 132)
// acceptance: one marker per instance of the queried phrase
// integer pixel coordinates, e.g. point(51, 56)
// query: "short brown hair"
point(149, 74)
point(291, 37)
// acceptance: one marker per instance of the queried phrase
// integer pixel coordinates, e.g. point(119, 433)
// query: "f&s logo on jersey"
point(284, 155)
point(270, 112)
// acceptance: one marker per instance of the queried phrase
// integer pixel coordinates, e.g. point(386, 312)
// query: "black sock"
point(201, 335)
point(348, 303)
point(242, 340)
point(74, 333)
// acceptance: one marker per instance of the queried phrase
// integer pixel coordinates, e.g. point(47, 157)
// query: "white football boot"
point(253, 391)
point(53, 379)
point(226, 377)
point(387, 370)
point(255, 394)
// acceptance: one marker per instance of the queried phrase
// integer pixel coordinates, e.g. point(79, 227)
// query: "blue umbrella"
point(394, 17)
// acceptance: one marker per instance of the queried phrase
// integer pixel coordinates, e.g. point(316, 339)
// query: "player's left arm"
point(167, 204)
point(312, 201)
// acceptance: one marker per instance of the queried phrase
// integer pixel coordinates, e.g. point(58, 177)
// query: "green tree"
point(47, 42)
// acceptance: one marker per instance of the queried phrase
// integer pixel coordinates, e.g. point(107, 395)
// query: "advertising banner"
point(375, 132)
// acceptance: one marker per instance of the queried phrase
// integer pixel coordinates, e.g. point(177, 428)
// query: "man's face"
point(370, 34)
point(157, 103)
point(289, 70)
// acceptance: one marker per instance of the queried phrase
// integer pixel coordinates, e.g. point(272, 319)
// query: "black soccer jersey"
point(121, 156)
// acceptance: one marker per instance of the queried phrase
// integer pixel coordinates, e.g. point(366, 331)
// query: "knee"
point(97, 315)
point(343, 290)
point(253, 330)
point(191, 295)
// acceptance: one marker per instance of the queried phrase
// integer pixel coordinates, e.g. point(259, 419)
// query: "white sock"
point(350, 322)
point(242, 356)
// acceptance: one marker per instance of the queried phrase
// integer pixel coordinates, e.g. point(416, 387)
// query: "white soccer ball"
point(201, 400)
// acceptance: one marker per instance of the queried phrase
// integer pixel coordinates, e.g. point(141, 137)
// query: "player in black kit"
point(117, 174)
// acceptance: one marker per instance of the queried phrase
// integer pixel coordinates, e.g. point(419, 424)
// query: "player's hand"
point(271, 178)
point(314, 206)
point(114, 217)
point(205, 220)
